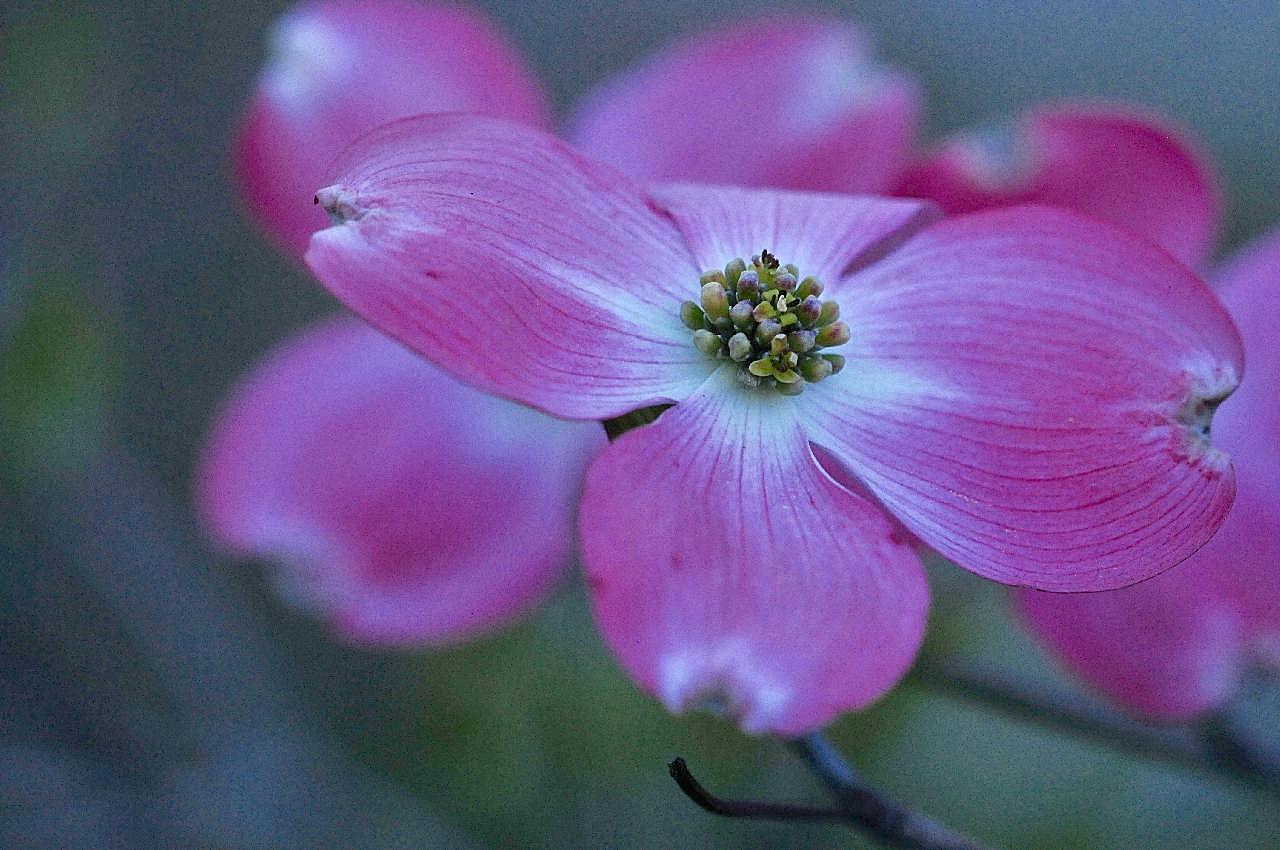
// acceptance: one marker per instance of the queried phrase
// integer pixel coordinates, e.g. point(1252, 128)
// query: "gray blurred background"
point(151, 695)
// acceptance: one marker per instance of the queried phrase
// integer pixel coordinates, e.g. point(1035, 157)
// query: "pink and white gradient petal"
point(822, 234)
point(339, 68)
point(500, 253)
point(401, 505)
point(1175, 646)
point(796, 102)
point(1025, 389)
point(1113, 163)
point(728, 570)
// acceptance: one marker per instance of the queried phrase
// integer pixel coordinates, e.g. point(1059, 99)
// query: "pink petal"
point(796, 101)
point(497, 251)
point(822, 234)
point(1248, 547)
point(1175, 646)
point(1112, 163)
point(406, 507)
point(339, 68)
point(728, 570)
point(1158, 648)
point(1021, 392)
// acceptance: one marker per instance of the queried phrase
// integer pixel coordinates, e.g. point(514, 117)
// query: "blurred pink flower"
point(1112, 162)
point(792, 102)
point(800, 102)
point(401, 505)
point(339, 68)
point(1175, 646)
point(1028, 391)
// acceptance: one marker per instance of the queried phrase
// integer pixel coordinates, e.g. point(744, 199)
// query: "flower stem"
point(860, 806)
point(745, 808)
point(1212, 746)
point(1234, 750)
point(888, 821)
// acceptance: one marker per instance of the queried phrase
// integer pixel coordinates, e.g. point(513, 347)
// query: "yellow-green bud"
point(814, 369)
point(766, 331)
point(836, 334)
point(733, 271)
point(830, 312)
point(692, 316)
point(809, 286)
point(802, 341)
point(708, 343)
point(742, 315)
point(715, 303)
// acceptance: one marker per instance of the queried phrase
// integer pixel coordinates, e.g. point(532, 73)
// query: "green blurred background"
point(151, 695)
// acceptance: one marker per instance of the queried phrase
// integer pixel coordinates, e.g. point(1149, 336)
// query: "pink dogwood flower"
point(402, 506)
point(831, 117)
point(843, 121)
point(1026, 390)
point(1176, 645)
point(1172, 646)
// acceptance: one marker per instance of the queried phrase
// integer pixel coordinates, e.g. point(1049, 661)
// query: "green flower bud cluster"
point(765, 317)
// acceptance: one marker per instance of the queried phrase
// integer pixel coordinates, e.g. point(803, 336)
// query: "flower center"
point(765, 318)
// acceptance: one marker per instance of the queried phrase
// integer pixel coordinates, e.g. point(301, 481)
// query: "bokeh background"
point(154, 695)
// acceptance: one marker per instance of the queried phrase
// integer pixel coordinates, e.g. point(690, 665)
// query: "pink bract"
point(404, 507)
point(1175, 646)
point(339, 68)
point(1110, 162)
point(1026, 390)
point(796, 101)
